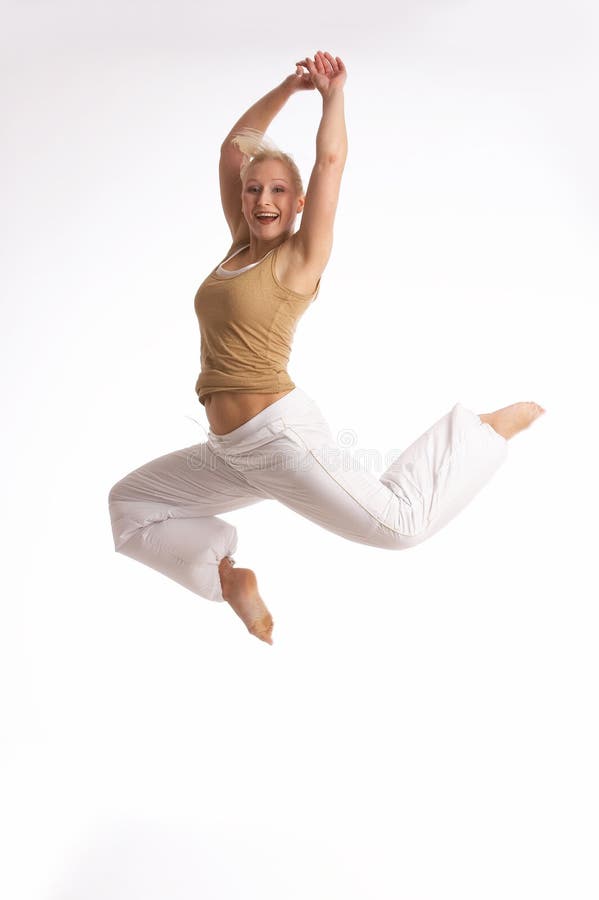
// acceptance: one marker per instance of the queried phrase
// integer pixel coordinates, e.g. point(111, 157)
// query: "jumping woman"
point(267, 438)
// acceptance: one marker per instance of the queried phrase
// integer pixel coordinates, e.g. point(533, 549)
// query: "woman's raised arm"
point(314, 239)
point(259, 116)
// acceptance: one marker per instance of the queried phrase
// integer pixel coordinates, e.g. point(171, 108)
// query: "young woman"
point(267, 438)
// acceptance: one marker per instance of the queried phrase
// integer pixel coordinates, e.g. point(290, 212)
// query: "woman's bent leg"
point(163, 515)
point(423, 488)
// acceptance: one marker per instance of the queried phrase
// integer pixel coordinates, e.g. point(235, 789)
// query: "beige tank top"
point(247, 321)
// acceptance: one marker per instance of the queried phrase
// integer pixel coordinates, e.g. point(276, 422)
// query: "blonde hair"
point(255, 147)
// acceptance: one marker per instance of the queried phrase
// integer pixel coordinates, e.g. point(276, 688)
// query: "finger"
point(326, 65)
point(330, 60)
point(318, 62)
point(340, 63)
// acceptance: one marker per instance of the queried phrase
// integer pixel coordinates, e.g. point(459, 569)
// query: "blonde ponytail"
point(250, 142)
point(255, 147)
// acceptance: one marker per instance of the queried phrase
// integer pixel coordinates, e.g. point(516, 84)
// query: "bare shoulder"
point(293, 271)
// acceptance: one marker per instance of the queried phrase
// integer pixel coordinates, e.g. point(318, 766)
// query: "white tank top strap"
point(243, 247)
point(229, 273)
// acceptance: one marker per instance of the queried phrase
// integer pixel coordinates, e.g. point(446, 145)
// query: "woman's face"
point(269, 199)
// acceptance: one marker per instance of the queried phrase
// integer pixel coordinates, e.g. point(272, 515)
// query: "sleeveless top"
point(247, 320)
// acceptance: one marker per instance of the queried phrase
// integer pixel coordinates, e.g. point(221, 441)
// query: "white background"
point(425, 724)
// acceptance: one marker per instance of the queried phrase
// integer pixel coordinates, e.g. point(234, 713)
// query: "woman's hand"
point(327, 73)
point(299, 81)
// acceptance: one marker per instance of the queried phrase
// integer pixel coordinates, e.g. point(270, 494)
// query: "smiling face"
point(270, 201)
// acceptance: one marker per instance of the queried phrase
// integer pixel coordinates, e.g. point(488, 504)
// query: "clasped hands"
point(325, 72)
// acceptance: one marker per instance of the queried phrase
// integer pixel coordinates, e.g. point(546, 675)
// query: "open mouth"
point(267, 218)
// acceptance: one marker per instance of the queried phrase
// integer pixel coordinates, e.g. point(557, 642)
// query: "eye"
point(253, 187)
point(278, 188)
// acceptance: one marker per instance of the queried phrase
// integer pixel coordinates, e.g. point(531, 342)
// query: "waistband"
point(295, 404)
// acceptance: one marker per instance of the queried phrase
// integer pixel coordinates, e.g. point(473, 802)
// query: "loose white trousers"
point(165, 514)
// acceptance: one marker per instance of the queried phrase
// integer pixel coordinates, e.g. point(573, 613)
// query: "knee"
point(117, 494)
point(394, 539)
point(401, 542)
point(406, 522)
point(117, 510)
point(114, 500)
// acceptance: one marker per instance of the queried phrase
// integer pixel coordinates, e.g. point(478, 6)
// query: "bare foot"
point(240, 590)
point(509, 420)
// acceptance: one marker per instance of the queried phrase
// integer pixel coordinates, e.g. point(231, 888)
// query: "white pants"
point(165, 513)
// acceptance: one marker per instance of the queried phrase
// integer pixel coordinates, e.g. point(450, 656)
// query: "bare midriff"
point(227, 410)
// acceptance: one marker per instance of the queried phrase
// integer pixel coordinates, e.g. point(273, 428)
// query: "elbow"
point(332, 158)
point(226, 145)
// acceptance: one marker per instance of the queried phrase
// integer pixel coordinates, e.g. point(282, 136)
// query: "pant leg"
point(444, 469)
point(420, 492)
point(164, 515)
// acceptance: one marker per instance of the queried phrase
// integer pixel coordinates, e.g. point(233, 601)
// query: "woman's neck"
point(258, 249)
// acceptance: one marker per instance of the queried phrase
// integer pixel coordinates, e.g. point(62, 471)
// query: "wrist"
point(333, 95)
point(287, 87)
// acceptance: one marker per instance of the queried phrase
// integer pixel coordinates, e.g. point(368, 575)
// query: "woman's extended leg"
point(164, 515)
point(296, 461)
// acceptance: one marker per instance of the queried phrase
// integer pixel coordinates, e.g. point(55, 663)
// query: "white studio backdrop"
point(425, 724)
